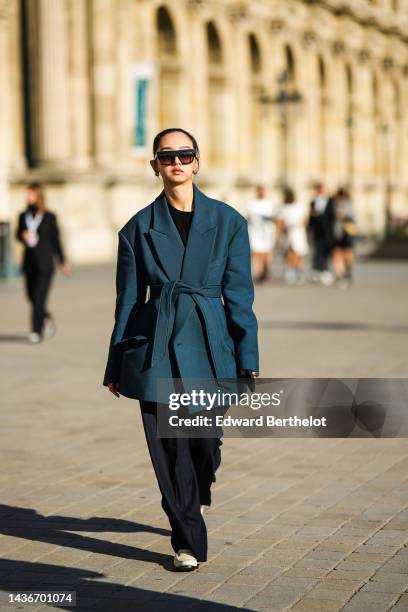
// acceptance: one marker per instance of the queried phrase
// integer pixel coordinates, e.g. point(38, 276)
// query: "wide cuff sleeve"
point(126, 299)
point(238, 294)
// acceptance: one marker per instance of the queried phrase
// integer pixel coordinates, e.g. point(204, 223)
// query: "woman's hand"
point(66, 268)
point(27, 235)
point(248, 373)
point(114, 388)
point(251, 374)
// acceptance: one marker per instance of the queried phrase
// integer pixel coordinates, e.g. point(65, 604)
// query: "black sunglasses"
point(186, 156)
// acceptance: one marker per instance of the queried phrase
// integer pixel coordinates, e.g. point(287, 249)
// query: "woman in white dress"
point(261, 212)
point(291, 227)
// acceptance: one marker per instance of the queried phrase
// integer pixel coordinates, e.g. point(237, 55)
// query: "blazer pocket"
point(134, 353)
point(130, 341)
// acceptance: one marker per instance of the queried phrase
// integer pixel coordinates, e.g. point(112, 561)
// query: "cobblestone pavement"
point(302, 524)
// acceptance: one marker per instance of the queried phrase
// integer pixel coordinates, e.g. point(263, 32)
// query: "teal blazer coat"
point(182, 312)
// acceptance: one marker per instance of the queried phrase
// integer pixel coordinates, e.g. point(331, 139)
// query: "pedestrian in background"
point(343, 231)
point(319, 226)
point(261, 213)
point(291, 226)
point(37, 229)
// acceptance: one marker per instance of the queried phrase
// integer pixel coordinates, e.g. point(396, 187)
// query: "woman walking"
point(38, 230)
point(292, 224)
point(343, 232)
point(261, 213)
point(187, 251)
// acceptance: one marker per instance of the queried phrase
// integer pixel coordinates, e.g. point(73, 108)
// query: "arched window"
point(216, 106)
point(349, 122)
point(168, 78)
point(349, 80)
point(322, 72)
point(290, 64)
point(397, 132)
point(254, 54)
point(214, 44)
point(254, 157)
point(321, 69)
point(166, 33)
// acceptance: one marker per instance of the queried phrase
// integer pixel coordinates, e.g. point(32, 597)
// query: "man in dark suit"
point(319, 226)
point(38, 230)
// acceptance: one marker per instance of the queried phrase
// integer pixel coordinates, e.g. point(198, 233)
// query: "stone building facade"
point(275, 91)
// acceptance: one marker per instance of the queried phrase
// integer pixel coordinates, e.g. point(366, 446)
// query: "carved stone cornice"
point(238, 12)
point(194, 7)
point(276, 25)
point(388, 63)
point(338, 47)
point(363, 56)
point(309, 39)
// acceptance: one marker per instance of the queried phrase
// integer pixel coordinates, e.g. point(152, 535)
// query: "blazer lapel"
point(189, 264)
point(166, 239)
point(199, 247)
point(200, 242)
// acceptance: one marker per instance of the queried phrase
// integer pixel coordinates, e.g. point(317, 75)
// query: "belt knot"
point(167, 292)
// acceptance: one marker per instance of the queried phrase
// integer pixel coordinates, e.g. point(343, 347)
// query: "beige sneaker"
point(184, 560)
point(34, 338)
point(49, 327)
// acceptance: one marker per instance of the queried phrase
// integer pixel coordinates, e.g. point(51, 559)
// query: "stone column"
point(338, 124)
point(142, 40)
point(16, 125)
point(268, 129)
point(273, 145)
point(307, 118)
point(242, 157)
point(52, 92)
point(4, 111)
point(104, 35)
point(79, 119)
point(198, 84)
point(404, 149)
point(301, 121)
point(363, 153)
point(124, 93)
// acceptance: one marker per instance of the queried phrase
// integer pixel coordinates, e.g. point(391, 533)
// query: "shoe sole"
point(185, 568)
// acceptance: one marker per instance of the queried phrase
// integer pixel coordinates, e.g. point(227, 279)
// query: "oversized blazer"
point(182, 312)
point(41, 257)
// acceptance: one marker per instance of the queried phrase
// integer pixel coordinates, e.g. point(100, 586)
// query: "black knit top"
point(182, 220)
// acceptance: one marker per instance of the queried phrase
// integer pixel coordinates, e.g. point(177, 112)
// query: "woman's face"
point(176, 173)
point(32, 196)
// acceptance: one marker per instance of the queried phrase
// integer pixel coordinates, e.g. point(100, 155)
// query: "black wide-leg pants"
point(37, 286)
point(185, 469)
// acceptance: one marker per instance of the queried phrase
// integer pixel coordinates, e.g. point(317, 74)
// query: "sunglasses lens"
point(186, 157)
point(167, 157)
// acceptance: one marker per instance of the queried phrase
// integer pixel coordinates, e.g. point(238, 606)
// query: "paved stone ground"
point(301, 524)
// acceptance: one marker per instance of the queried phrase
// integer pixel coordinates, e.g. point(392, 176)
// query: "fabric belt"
point(168, 292)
